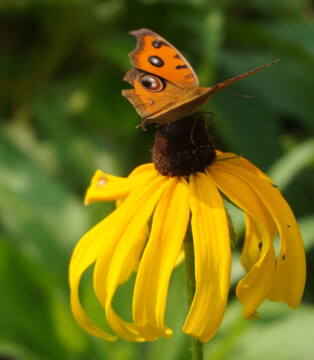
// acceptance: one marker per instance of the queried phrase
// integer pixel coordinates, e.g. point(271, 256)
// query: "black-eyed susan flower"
point(185, 185)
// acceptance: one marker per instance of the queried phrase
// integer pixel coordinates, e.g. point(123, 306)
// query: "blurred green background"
point(62, 117)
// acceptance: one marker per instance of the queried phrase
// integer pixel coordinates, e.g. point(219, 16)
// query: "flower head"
point(122, 243)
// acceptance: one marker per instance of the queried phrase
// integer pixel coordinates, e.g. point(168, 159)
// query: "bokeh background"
point(62, 117)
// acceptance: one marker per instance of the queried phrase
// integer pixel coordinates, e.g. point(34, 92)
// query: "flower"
point(121, 244)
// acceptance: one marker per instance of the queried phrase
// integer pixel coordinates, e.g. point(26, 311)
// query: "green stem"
point(197, 346)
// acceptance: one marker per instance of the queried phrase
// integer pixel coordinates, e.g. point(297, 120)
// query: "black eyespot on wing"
point(152, 83)
point(156, 61)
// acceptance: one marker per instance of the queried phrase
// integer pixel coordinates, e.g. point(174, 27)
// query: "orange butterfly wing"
point(156, 56)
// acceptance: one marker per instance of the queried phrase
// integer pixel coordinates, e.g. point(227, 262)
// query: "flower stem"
point(196, 345)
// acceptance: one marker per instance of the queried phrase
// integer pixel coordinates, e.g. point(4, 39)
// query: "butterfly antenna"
point(208, 119)
point(233, 80)
point(192, 130)
point(237, 94)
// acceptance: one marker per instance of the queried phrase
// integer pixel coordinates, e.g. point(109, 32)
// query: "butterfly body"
point(166, 87)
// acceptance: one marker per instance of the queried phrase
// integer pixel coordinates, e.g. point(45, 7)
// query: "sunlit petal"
point(250, 250)
point(109, 269)
point(85, 253)
point(242, 162)
point(133, 260)
point(168, 230)
point(143, 169)
point(81, 317)
point(289, 279)
point(212, 258)
point(106, 187)
point(254, 287)
point(255, 170)
point(251, 246)
point(99, 238)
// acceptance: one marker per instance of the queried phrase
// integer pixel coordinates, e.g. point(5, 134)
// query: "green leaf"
point(281, 333)
point(294, 161)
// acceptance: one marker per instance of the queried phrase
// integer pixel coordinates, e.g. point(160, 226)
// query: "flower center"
point(182, 147)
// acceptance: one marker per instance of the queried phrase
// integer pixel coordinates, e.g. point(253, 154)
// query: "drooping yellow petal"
point(242, 162)
point(132, 264)
point(168, 230)
point(254, 287)
point(289, 279)
point(252, 241)
point(109, 268)
point(81, 317)
point(88, 248)
point(250, 251)
point(255, 170)
point(106, 187)
point(212, 258)
point(135, 255)
point(84, 254)
point(100, 237)
point(251, 247)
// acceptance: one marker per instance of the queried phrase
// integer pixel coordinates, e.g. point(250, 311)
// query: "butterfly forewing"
point(155, 55)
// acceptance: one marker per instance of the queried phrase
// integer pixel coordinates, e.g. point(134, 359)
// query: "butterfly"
point(166, 87)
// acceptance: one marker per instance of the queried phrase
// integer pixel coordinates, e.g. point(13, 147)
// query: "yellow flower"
point(121, 244)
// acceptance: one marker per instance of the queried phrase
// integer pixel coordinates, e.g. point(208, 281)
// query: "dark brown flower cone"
point(182, 147)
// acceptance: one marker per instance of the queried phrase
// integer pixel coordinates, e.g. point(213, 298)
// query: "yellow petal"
point(250, 251)
point(251, 247)
point(101, 236)
point(289, 279)
point(135, 255)
point(255, 170)
point(180, 258)
point(84, 254)
point(254, 287)
point(242, 162)
point(82, 319)
point(227, 156)
point(145, 168)
point(106, 187)
point(168, 230)
point(87, 249)
point(109, 268)
point(212, 258)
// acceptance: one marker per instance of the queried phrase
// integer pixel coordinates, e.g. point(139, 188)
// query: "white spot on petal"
point(102, 181)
